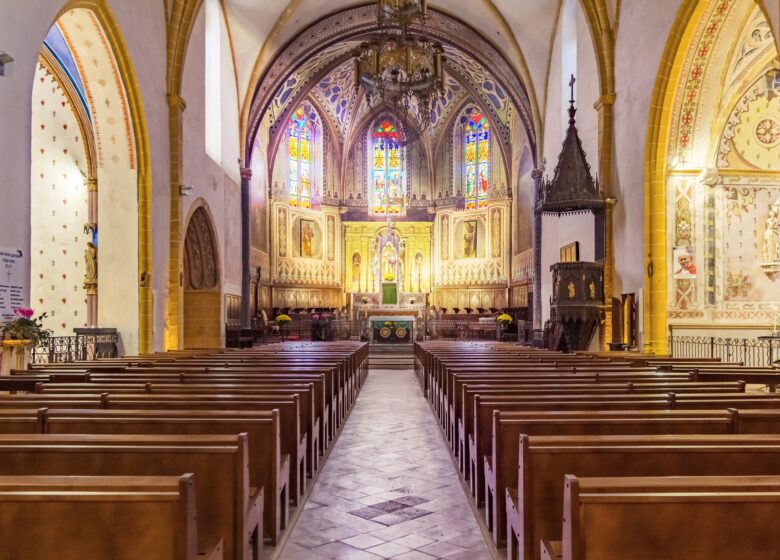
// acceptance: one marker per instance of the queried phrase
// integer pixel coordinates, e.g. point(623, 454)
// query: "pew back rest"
point(72, 518)
point(685, 517)
point(219, 463)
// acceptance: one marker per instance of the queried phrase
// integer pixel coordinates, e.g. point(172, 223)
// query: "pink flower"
point(25, 312)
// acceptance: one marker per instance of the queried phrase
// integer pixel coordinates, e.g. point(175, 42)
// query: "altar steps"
point(390, 356)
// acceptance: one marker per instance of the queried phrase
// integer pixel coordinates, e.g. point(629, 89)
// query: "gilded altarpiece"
point(473, 262)
point(407, 259)
point(307, 262)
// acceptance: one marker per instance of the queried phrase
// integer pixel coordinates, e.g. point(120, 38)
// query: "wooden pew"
point(268, 468)
point(655, 517)
point(122, 518)
point(508, 427)
point(227, 507)
point(534, 509)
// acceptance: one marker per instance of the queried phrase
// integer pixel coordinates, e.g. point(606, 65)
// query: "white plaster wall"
point(557, 232)
point(142, 23)
point(22, 29)
point(586, 93)
point(643, 31)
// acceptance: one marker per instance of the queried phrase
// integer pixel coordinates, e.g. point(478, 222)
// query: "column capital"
point(604, 101)
point(176, 101)
point(92, 184)
point(246, 174)
point(537, 173)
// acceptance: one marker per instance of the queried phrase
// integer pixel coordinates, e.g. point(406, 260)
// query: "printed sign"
point(13, 291)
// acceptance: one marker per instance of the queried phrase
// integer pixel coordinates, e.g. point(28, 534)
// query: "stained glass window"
point(477, 159)
point(388, 190)
point(299, 151)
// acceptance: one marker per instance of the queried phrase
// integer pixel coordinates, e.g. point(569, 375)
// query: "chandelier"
point(397, 67)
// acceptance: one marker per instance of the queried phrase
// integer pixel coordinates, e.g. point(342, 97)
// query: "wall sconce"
point(611, 200)
point(650, 269)
point(184, 190)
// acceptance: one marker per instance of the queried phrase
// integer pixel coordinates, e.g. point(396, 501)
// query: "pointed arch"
point(110, 29)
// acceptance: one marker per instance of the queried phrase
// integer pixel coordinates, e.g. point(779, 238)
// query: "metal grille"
point(750, 352)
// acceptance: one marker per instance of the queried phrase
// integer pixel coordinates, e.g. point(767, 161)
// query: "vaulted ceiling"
point(263, 30)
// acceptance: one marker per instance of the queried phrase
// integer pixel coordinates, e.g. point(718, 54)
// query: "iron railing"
point(63, 349)
point(751, 352)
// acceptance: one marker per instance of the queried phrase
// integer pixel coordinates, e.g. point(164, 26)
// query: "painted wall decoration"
point(281, 229)
point(307, 238)
point(469, 239)
point(331, 237)
point(59, 211)
point(751, 137)
point(495, 234)
point(444, 240)
point(685, 263)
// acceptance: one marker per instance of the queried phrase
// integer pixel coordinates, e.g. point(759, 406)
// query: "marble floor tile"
point(389, 488)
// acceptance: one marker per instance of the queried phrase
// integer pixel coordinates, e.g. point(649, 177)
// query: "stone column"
point(246, 185)
point(91, 229)
point(174, 334)
point(536, 174)
point(604, 105)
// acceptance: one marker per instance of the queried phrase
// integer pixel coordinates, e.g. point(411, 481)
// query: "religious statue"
point(401, 260)
point(470, 240)
point(572, 290)
point(592, 289)
point(90, 259)
point(356, 269)
point(771, 247)
point(389, 261)
point(375, 265)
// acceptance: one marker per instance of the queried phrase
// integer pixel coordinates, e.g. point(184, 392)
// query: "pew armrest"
point(214, 552)
point(550, 550)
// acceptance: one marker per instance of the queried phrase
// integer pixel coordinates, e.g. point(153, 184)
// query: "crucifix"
point(571, 85)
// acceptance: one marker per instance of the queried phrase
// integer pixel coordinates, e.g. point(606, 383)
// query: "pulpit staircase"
point(390, 356)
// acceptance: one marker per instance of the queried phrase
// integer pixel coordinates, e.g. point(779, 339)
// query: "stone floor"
point(389, 488)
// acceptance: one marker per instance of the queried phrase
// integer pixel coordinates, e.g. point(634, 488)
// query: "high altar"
point(390, 272)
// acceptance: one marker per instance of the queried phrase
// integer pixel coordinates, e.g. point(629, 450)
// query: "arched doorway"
point(202, 291)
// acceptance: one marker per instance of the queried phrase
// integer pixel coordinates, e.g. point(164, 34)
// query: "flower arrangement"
point(283, 319)
point(364, 299)
point(26, 327)
point(504, 319)
point(389, 277)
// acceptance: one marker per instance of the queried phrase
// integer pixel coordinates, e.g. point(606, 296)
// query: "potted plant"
point(283, 321)
point(503, 321)
point(21, 334)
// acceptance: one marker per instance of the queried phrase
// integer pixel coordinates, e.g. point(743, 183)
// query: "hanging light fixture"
point(398, 68)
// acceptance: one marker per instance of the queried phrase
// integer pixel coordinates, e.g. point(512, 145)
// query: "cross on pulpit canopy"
point(571, 85)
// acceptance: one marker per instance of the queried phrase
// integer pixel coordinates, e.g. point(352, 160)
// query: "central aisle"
point(389, 488)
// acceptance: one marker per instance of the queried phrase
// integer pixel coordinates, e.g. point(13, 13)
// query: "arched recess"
point(120, 173)
point(201, 281)
point(688, 178)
